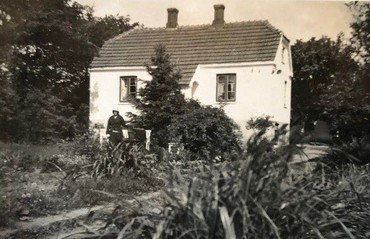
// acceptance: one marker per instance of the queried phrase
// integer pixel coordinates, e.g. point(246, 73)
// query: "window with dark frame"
point(128, 88)
point(226, 88)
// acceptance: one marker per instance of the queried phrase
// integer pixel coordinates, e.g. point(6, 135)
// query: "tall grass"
point(257, 197)
point(253, 198)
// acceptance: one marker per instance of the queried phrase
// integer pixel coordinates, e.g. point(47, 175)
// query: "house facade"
point(244, 67)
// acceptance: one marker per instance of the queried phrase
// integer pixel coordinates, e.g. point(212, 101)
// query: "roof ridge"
point(195, 26)
point(122, 34)
point(272, 28)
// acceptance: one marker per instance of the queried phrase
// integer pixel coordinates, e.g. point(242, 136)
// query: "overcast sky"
point(297, 19)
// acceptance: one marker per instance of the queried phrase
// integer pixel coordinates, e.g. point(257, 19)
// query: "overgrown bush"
point(206, 132)
point(86, 144)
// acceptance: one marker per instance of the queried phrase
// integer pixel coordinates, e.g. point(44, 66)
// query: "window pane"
point(231, 79)
point(132, 82)
point(128, 88)
point(231, 87)
point(221, 90)
point(132, 89)
point(231, 95)
point(123, 92)
point(221, 79)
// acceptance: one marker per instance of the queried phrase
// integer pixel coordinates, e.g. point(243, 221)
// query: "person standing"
point(116, 124)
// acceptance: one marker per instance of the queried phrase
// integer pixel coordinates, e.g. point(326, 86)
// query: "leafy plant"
point(206, 132)
point(259, 123)
point(124, 155)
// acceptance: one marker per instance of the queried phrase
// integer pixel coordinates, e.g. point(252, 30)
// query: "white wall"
point(104, 92)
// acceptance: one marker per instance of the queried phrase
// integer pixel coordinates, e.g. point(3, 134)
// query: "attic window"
point(128, 88)
point(226, 87)
point(283, 55)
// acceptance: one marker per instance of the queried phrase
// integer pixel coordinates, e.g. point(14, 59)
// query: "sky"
point(296, 18)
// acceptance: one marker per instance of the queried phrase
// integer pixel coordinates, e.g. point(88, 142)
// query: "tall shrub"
point(161, 99)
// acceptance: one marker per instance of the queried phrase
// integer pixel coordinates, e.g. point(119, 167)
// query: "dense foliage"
point(206, 132)
point(45, 50)
point(360, 39)
point(317, 64)
point(329, 85)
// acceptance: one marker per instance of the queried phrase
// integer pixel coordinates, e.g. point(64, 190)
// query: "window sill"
point(226, 102)
point(125, 103)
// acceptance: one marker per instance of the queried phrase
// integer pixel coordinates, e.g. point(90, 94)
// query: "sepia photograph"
point(193, 119)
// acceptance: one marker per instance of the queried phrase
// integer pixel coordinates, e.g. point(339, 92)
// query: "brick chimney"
point(219, 15)
point(172, 18)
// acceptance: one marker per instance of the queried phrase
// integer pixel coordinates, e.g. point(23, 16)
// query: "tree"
point(361, 41)
point(45, 118)
point(46, 47)
point(316, 63)
point(161, 98)
point(105, 28)
point(327, 85)
point(8, 104)
point(346, 100)
point(345, 107)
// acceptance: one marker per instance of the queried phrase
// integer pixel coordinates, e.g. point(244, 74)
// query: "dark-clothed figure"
point(114, 128)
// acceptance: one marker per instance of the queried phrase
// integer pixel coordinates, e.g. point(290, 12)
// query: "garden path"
point(54, 224)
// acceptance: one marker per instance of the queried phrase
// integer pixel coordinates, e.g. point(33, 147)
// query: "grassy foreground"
point(256, 196)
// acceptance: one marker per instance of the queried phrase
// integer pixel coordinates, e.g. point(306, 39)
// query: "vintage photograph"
point(191, 119)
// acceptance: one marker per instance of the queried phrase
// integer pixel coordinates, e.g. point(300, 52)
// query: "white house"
point(244, 66)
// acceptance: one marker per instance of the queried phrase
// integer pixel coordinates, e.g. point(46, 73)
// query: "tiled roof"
point(192, 45)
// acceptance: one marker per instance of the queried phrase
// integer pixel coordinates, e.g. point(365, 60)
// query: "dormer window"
point(128, 88)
